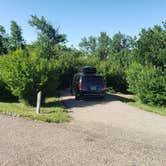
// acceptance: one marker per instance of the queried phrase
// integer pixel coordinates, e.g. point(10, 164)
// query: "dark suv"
point(88, 84)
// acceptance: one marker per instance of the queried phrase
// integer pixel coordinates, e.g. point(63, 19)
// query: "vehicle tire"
point(102, 97)
point(77, 97)
point(71, 91)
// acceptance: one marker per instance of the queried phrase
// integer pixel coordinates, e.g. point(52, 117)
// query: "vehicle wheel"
point(77, 97)
point(71, 91)
point(102, 97)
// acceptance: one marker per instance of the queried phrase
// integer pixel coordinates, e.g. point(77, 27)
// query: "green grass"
point(134, 101)
point(52, 111)
point(156, 109)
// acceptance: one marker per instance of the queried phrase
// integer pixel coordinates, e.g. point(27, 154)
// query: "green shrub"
point(133, 76)
point(53, 78)
point(114, 75)
point(148, 83)
point(5, 94)
point(26, 74)
point(70, 63)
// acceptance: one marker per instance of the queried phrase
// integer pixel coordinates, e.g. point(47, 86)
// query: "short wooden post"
point(39, 95)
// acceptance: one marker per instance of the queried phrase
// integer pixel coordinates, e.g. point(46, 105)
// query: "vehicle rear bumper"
point(92, 93)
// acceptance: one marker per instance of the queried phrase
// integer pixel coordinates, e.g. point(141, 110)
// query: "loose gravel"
point(102, 133)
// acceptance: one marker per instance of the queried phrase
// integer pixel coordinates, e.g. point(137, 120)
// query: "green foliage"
point(120, 42)
point(113, 57)
point(3, 41)
point(5, 94)
point(16, 40)
point(133, 76)
point(70, 63)
point(148, 83)
point(89, 45)
point(46, 29)
point(52, 111)
point(114, 75)
point(96, 46)
point(151, 46)
point(147, 77)
point(103, 45)
point(151, 108)
point(48, 36)
point(26, 74)
point(48, 65)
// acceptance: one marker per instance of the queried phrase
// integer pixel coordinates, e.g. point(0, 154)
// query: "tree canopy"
point(48, 36)
point(16, 40)
point(128, 64)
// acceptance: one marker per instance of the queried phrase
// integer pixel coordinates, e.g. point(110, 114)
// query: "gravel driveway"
point(102, 133)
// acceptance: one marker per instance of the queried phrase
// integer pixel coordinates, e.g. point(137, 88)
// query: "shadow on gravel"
point(85, 102)
point(120, 98)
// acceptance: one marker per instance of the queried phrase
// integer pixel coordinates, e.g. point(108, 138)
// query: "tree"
point(48, 36)
point(103, 45)
point(148, 83)
point(89, 45)
point(98, 46)
point(16, 39)
point(3, 41)
point(151, 46)
point(25, 75)
point(121, 49)
point(120, 42)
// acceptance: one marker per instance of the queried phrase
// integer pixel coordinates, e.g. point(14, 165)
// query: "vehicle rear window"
point(97, 80)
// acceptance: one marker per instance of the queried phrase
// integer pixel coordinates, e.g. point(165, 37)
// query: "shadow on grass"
point(9, 100)
point(51, 111)
point(52, 104)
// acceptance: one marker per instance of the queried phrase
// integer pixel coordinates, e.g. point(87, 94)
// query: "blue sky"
point(79, 18)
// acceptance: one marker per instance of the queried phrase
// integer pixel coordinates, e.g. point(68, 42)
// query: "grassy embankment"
point(134, 101)
point(131, 100)
point(150, 108)
point(52, 111)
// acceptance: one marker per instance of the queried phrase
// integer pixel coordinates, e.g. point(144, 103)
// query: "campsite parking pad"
point(106, 132)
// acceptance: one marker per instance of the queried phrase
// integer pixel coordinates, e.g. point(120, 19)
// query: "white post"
point(38, 102)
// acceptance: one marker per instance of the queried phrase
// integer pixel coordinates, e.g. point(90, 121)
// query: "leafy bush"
point(151, 46)
point(26, 74)
point(114, 75)
point(53, 78)
point(5, 94)
point(70, 63)
point(116, 79)
point(148, 83)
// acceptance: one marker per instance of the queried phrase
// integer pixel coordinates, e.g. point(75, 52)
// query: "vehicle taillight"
point(105, 86)
point(79, 86)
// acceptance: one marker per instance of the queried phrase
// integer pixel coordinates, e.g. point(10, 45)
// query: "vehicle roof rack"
point(88, 70)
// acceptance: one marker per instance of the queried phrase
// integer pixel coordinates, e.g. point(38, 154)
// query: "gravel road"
point(102, 133)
